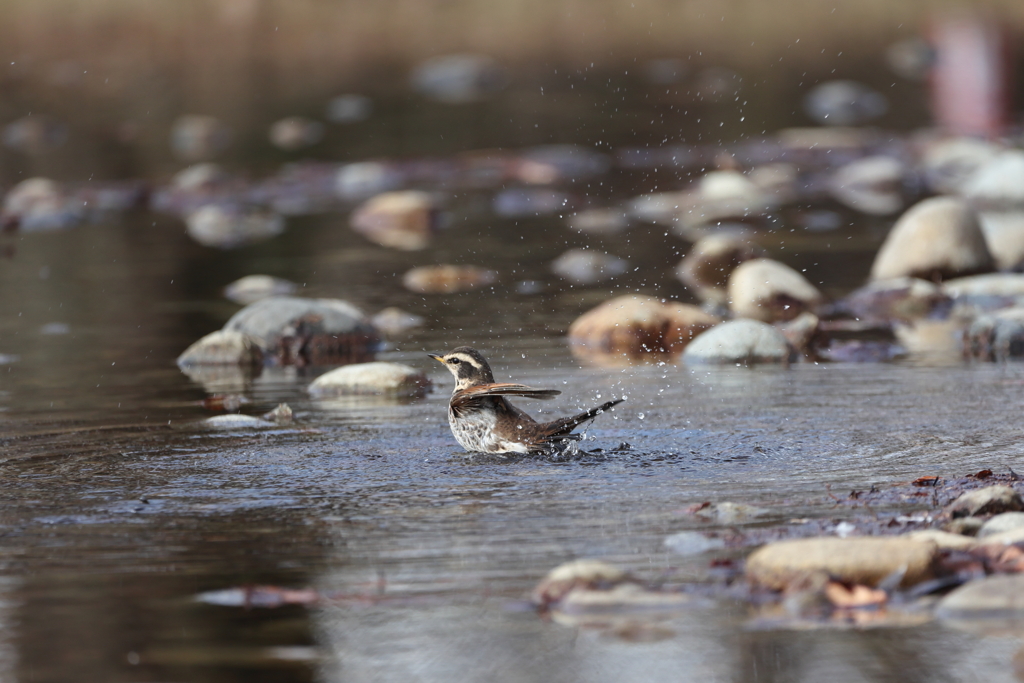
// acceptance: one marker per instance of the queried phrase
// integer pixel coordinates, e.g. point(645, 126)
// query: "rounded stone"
point(634, 327)
point(903, 298)
point(401, 220)
point(766, 290)
point(251, 288)
point(1006, 521)
point(949, 163)
point(38, 204)
point(226, 227)
point(364, 179)
point(394, 321)
point(223, 347)
point(706, 268)
point(447, 279)
point(378, 379)
point(936, 238)
point(195, 137)
point(1006, 285)
point(743, 341)
point(872, 185)
point(297, 331)
point(992, 597)
point(295, 132)
point(229, 422)
point(583, 573)
point(1004, 234)
point(999, 183)
point(862, 560)
point(998, 336)
point(990, 500)
point(586, 266)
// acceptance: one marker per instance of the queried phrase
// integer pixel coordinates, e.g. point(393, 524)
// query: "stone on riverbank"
point(1006, 521)
point(769, 291)
point(447, 279)
point(744, 342)
point(252, 288)
point(403, 220)
point(226, 227)
point(296, 331)
point(996, 337)
point(1004, 285)
point(577, 573)
point(632, 327)
point(706, 268)
point(863, 560)
point(935, 239)
point(223, 347)
point(990, 500)
point(380, 379)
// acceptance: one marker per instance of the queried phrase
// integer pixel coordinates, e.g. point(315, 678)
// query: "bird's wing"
point(503, 389)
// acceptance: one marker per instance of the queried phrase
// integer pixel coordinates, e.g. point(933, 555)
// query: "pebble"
point(39, 204)
point(872, 185)
point(599, 221)
point(403, 220)
point(196, 138)
point(999, 183)
point(996, 337)
point(365, 179)
point(844, 103)
point(992, 598)
point(577, 573)
point(1004, 234)
point(281, 415)
point(295, 132)
point(34, 134)
point(634, 327)
point(459, 78)
point(297, 331)
point(766, 290)
point(229, 226)
point(706, 268)
point(350, 108)
point(689, 543)
point(861, 560)
point(394, 321)
point(199, 177)
point(948, 163)
point(447, 279)
point(252, 288)
point(730, 513)
point(743, 342)
point(236, 421)
point(990, 500)
point(936, 238)
point(1006, 521)
point(586, 266)
point(378, 378)
point(223, 347)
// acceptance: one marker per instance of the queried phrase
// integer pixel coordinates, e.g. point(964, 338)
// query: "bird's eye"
point(455, 361)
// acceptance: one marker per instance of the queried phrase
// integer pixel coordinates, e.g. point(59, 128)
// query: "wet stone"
point(706, 268)
point(400, 220)
point(39, 204)
point(447, 279)
point(903, 298)
point(872, 185)
point(844, 103)
point(586, 266)
point(599, 221)
point(459, 78)
point(394, 321)
point(235, 422)
point(349, 108)
point(548, 164)
point(996, 337)
point(223, 347)
point(949, 163)
point(862, 560)
point(766, 290)
point(936, 238)
point(692, 543)
point(729, 513)
point(990, 598)
point(295, 133)
point(387, 379)
point(990, 500)
point(296, 331)
point(525, 202)
point(999, 183)
point(743, 342)
point(196, 138)
point(1004, 234)
point(227, 227)
point(585, 573)
point(1006, 521)
point(1001, 285)
point(365, 179)
point(636, 327)
point(252, 288)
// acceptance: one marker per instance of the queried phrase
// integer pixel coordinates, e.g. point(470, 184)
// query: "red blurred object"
point(970, 79)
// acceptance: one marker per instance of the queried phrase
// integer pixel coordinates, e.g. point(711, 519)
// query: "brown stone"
point(769, 291)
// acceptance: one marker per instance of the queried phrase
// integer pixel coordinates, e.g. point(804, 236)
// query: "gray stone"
point(223, 347)
point(949, 163)
point(229, 226)
point(459, 78)
point(993, 597)
point(379, 378)
point(766, 290)
point(586, 266)
point(902, 298)
point(936, 238)
point(996, 337)
point(872, 185)
point(1004, 234)
point(862, 560)
point(349, 108)
point(844, 103)
point(990, 500)
point(195, 138)
point(1006, 521)
point(706, 268)
point(728, 513)
point(692, 543)
point(300, 331)
point(365, 179)
point(403, 220)
point(251, 288)
point(742, 341)
point(999, 183)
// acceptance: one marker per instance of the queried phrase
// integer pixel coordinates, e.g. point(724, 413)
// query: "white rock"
point(949, 163)
point(1000, 182)
point(872, 185)
point(252, 288)
point(741, 342)
point(230, 422)
point(1004, 234)
point(226, 227)
point(770, 291)
point(990, 284)
point(389, 379)
point(364, 179)
point(1007, 521)
point(586, 266)
point(38, 204)
point(223, 347)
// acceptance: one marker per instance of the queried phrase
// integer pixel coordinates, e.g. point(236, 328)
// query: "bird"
point(483, 420)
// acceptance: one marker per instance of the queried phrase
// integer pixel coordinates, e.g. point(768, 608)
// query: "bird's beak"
point(436, 357)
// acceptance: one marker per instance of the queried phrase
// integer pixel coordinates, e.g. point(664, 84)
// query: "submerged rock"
point(996, 337)
point(523, 202)
point(689, 543)
point(447, 279)
point(223, 347)
point(706, 268)
point(235, 421)
point(936, 238)
point(743, 341)
point(387, 379)
point(549, 164)
point(727, 513)
point(295, 331)
point(394, 321)
point(227, 227)
point(766, 290)
point(585, 266)
point(593, 574)
point(365, 179)
point(34, 134)
point(990, 500)
point(861, 560)
point(252, 288)
point(459, 78)
point(400, 220)
point(39, 204)
point(295, 132)
point(634, 327)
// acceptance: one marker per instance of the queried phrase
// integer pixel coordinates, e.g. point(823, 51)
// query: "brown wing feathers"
point(503, 389)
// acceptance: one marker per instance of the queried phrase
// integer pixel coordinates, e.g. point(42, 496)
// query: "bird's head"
point(467, 365)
